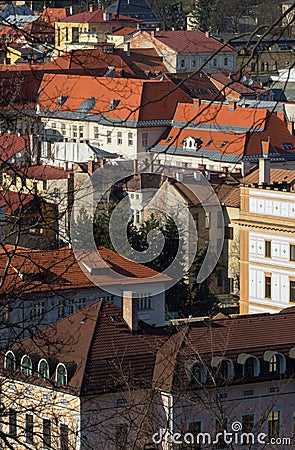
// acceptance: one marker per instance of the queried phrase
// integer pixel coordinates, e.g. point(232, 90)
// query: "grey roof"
point(217, 127)
point(272, 105)
point(86, 106)
point(137, 9)
point(102, 153)
point(11, 10)
point(213, 155)
point(104, 120)
point(283, 91)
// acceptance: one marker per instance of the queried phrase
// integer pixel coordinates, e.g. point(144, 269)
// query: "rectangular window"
point(267, 287)
point(64, 436)
point(96, 133)
point(81, 303)
point(109, 137)
point(12, 422)
point(292, 252)
point(144, 140)
point(29, 428)
point(119, 138)
point(47, 433)
point(273, 424)
point(130, 139)
point(182, 63)
point(81, 131)
point(145, 301)
point(247, 423)
point(292, 291)
point(225, 61)
point(75, 131)
point(267, 249)
point(63, 129)
point(37, 310)
point(61, 308)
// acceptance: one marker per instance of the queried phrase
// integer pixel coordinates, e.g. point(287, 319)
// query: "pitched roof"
point(99, 349)
point(191, 41)
point(276, 175)
point(53, 14)
point(45, 172)
point(10, 144)
point(196, 85)
point(111, 98)
point(61, 271)
point(227, 337)
point(95, 17)
point(227, 132)
point(125, 31)
point(229, 86)
point(138, 9)
point(14, 201)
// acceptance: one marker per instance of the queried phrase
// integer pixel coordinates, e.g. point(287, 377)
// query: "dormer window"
point(26, 366)
point(61, 375)
point(224, 367)
point(251, 365)
point(198, 372)
point(276, 361)
point(9, 361)
point(43, 369)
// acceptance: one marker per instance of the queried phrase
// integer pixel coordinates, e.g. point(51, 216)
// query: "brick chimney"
point(90, 167)
point(264, 163)
point(130, 310)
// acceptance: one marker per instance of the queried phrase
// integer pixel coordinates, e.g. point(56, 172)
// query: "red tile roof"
point(62, 271)
point(191, 41)
point(45, 172)
point(223, 337)
point(96, 16)
point(223, 125)
point(99, 349)
point(125, 31)
point(138, 99)
point(53, 14)
point(14, 201)
point(10, 144)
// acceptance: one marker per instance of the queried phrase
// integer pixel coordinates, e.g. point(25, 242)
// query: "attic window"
point(61, 100)
point(114, 104)
point(209, 142)
point(43, 369)
point(26, 366)
point(169, 139)
point(61, 375)
point(288, 146)
point(223, 144)
point(9, 361)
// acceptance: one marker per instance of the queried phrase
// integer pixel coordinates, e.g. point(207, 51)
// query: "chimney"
point(264, 170)
point(130, 310)
point(90, 7)
point(127, 48)
point(90, 167)
point(207, 34)
point(135, 166)
point(232, 105)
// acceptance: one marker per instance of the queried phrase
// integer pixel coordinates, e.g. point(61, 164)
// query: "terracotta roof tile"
point(95, 17)
point(191, 41)
point(138, 99)
point(61, 271)
point(10, 144)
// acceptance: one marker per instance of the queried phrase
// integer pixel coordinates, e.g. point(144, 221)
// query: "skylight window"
point(169, 139)
point(209, 142)
point(288, 146)
point(223, 144)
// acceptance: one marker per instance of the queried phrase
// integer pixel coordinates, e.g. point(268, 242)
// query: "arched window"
point(276, 362)
point(225, 369)
point(26, 366)
point(9, 361)
point(43, 369)
point(198, 372)
point(61, 375)
point(249, 367)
